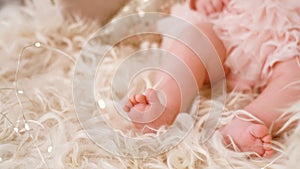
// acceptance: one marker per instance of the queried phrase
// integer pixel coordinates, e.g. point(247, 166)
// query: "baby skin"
point(148, 112)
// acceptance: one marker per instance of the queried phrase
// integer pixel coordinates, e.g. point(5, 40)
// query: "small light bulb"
point(16, 129)
point(0, 159)
point(154, 45)
point(126, 8)
point(37, 44)
point(27, 127)
point(141, 14)
point(101, 104)
point(20, 91)
point(50, 149)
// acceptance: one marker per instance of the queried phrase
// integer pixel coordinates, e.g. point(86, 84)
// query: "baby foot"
point(148, 109)
point(249, 137)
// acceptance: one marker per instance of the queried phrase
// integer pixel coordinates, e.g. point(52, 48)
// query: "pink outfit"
point(256, 34)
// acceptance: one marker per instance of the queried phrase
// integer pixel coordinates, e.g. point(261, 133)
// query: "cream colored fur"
point(55, 138)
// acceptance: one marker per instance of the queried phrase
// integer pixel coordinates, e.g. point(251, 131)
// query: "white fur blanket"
point(39, 127)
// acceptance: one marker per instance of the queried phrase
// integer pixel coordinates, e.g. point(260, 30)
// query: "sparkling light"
point(20, 91)
point(27, 127)
point(37, 44)
point(126, 8)
point(101, 104)
point(141, 13)
point(50, 149)
point(16, 129)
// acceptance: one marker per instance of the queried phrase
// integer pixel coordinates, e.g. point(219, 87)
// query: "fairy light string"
point(18, 92)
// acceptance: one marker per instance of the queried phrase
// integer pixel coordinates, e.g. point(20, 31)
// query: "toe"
point(193, 4)
point(268, 153)
point(209, 9)
point(267, 139)
point(133, 100)
point(152, 96)
point(267, 146)
point(128, 106)
point(140, 98)
point(226, 2)
point(217, 5)
point(149, 92)
point(258, 131)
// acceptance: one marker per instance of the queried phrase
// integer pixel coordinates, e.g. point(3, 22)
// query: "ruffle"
point(257, 34)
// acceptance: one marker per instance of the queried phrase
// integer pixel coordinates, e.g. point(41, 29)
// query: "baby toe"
point(132, 100)
point(152, 96)
point(192, 4)
point(267, 146)
point(126, 108)
point(257, 146)
point(267, 139)
point(268, 153)
point(140, 98)
point(226, 2)
point(217, 5)
point(209, 9)
point(258, 130)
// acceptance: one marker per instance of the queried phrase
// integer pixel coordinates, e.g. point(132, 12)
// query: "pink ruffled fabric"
point(256, 34)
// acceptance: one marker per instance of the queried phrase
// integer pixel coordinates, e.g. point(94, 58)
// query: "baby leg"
point(278, 94)
point(266, 107)
point(169, 87)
